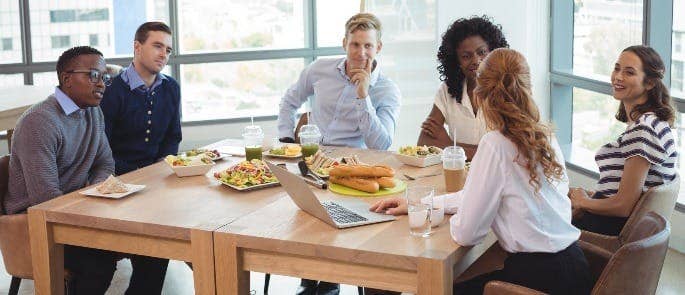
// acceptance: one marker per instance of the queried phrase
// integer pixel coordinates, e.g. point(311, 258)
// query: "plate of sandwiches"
point(364, 181)
point(112, 188)
point(321, 165)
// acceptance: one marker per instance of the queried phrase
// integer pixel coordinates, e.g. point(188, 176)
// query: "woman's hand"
point(392, 206)
point(578, 197)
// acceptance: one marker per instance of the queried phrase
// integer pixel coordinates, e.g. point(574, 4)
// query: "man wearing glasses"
point(142, 106)
point(59, 146)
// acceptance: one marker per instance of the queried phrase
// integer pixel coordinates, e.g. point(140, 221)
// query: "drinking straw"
point(252, 120)
point(454, 136)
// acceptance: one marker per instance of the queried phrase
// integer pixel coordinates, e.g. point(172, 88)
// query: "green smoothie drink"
point(309, 149)
point(253, 152)
point(253, 137)
point(309, 139)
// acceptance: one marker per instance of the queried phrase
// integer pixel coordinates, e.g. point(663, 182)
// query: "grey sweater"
point(54, 154)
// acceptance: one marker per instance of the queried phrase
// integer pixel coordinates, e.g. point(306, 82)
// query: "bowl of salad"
point(189, 166)
point(419, 156)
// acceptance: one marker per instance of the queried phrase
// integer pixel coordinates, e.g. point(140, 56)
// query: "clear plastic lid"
point(253, 131)
point(309, 131)
point(453, 157)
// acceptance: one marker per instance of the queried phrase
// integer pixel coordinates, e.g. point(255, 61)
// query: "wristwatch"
point(287, 139)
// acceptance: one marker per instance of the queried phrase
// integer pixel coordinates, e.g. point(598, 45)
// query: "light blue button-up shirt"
point(68, 105)
point(344, 120)
point(134, 81)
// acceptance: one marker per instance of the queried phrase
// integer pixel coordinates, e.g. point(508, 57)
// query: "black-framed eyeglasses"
point(95, 76)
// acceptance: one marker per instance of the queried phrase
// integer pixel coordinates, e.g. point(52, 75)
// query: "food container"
point(183, 171)
point(419, 161)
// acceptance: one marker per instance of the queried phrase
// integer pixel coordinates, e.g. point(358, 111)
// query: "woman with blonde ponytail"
point(516, 187)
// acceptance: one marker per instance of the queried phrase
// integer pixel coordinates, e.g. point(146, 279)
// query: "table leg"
point(435, 277)
point(230, 276)
point(47, 256)
point(203, 261)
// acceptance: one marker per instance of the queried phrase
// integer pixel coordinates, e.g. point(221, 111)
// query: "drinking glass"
point(419, 204)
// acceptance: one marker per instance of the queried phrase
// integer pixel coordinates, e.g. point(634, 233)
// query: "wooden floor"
point(179, 280)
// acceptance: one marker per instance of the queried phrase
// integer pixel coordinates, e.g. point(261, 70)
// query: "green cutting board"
point(400, 186)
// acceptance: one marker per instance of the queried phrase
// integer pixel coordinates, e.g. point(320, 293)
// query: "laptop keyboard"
point(341, 214)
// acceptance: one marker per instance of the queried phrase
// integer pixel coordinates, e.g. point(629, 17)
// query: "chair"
point(634, 268)
point(302, 121)
point(14, 238)
point(660, 199)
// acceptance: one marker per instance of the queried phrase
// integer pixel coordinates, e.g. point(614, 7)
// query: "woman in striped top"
point(643, 156)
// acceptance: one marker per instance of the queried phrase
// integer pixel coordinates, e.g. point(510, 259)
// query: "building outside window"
point(6, 44)
point(60, 41)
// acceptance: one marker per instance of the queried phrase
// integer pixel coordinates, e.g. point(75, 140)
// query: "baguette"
point(362, 184)
point(362, 171)
point(386, 182)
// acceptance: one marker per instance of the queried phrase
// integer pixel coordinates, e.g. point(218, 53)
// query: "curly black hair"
point(461, 29)
point(67, 58)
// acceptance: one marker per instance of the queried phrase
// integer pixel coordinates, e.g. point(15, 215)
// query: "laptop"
point(339, 213)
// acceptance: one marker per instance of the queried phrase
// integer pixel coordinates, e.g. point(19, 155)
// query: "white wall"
point(526, 26)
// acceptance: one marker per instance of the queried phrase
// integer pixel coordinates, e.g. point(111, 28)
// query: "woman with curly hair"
point(464, 45)
point(643, 156)
point(520, 189)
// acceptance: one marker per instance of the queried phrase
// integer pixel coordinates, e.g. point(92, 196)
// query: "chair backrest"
point(660, 200)
point(14, 233)
point(302, 121)
point(4, 179)
point(635, 267)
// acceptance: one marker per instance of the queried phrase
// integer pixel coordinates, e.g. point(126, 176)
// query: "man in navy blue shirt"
point(143, 125)
point(142, 106)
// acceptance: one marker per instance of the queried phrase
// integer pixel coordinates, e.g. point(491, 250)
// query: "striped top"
point(647, 137)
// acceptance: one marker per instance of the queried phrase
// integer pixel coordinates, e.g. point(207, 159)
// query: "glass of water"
point(419, 204)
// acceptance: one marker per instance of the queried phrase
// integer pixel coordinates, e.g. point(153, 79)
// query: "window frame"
point(309, 53)
point(657, 18)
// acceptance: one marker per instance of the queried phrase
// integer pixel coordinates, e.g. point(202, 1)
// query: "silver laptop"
point(341, 213)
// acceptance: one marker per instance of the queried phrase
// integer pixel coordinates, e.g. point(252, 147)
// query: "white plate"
point(132, 188)
point(249, 188)
point(281, 156)
point(425, 161)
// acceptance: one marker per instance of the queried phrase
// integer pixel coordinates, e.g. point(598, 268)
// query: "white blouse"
point(459, 117)
point(497, 196)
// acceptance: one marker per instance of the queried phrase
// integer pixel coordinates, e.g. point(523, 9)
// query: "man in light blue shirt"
point(353, 103)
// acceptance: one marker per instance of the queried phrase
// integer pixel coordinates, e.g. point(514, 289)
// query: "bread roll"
point(386, 182)
point(362, 171)
point(362, 184)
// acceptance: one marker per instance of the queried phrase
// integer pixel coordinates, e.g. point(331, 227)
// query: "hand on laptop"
point(391, 206)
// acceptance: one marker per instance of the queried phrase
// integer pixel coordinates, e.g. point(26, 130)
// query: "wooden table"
point(171, 218)
point(281, 239)
point(15, 100)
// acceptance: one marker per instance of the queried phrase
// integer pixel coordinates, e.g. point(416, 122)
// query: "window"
point(108, 19)
point(678, 57)
point(593, 124)
point(217, 25)
point(61, 41)
point(6, 44)
point(11, 80)
point(330, 21)
point(677, 77)
point(236, 89)
point(613, 24)
point(45, 79)
point(10, 32)
point(586, 38)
